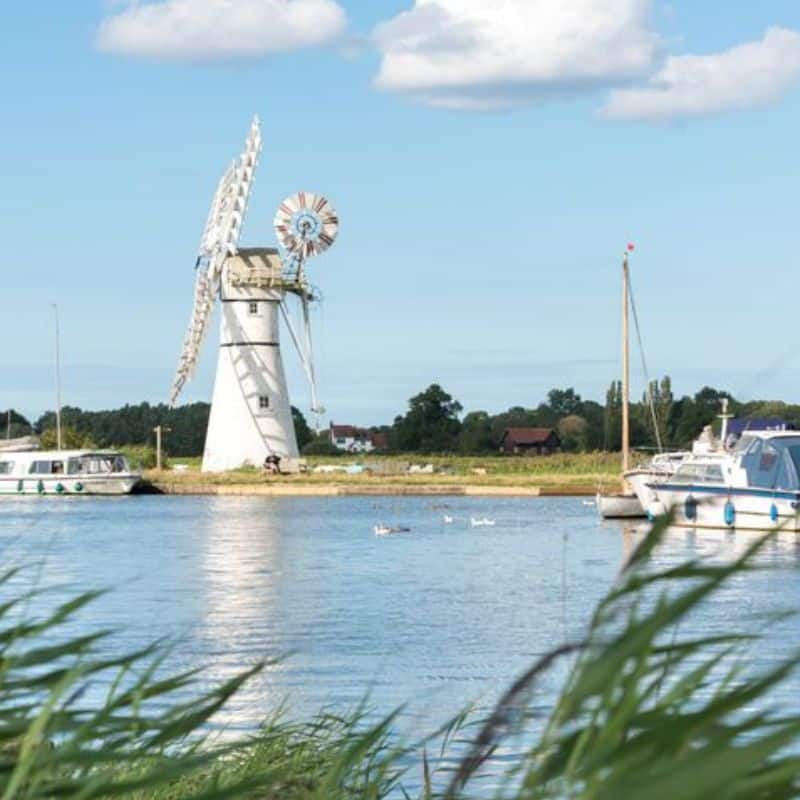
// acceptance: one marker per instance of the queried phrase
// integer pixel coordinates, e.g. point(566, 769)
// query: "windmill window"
point(263, 402)
point(253, 309)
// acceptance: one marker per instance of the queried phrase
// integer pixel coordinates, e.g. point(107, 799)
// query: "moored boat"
point(755, 487)
point(66, 472)
point(619, 506)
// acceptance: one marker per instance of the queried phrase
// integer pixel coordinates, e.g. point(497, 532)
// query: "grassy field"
point(565, 473)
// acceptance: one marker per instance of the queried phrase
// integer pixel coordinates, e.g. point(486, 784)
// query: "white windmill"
point(251, 416)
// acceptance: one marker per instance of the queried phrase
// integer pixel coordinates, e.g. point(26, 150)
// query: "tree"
point(564, 402)
point(431, 424)
point(476, 433)
point(573, 432)
point(13, 425)
point(593, 413)
point(70, 439)
point(660, 396)
point(320, 445)
point(691, 415)
point(302, 432)
point(612, 423)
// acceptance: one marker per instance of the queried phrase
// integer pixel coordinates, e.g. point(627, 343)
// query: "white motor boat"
point(755, 487)
point(66, 472)
point(483, 522)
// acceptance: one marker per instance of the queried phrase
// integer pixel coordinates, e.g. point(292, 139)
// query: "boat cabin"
point(760, 460)
point(63, 463)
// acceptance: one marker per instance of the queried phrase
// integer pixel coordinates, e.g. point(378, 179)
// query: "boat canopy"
point(771, 463)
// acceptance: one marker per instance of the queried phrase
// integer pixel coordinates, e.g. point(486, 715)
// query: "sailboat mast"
point(626, 456)
point(58, 380)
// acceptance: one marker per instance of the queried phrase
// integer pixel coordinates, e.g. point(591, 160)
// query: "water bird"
point(385, 530)
point(447, 519)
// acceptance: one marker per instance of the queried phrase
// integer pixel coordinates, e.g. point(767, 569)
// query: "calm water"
point(437, 618)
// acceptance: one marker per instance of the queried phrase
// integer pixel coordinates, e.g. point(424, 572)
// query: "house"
point(350, 439)
point(530, 441)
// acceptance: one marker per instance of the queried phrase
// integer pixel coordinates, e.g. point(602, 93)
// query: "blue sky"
point(485, 198)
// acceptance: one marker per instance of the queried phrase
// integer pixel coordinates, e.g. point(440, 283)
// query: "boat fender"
point(773, 512)
point(20, 486)
point(40, 487)
point(59, 488)
point(730, 514)
point(690, 508)
point(78, 487)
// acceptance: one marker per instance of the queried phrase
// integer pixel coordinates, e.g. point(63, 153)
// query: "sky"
point(489, 162)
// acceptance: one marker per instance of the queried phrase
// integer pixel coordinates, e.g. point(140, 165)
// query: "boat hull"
point(619, 506)
point(728, 508)
point(640, 479)
point(66, 485)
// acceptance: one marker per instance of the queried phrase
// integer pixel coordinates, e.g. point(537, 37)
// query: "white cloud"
point(476, 54)
point(747, 76)
point(217, 29)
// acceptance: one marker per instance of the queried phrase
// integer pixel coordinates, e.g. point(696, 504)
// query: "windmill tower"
point(251, 415)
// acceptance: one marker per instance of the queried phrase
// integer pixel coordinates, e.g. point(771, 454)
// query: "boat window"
point(6, 467)
point(762, 464)
point(97, 464)
point(744, 443)
point(698, 472)
point(714, 473)
point(40, 468)
point(789, 471)
point(762, 469)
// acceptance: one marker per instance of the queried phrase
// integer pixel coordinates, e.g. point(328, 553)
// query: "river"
point(445, 615)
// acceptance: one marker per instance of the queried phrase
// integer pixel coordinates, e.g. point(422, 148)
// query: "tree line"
point(434, 422)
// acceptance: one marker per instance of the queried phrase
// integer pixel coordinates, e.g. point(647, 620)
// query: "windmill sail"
point(220, 239)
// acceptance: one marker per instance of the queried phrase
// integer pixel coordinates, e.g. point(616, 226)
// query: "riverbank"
point(562, 475)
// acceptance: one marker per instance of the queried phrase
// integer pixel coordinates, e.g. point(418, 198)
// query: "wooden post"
point(160, 430)
point(157, 429)
point(626, 457)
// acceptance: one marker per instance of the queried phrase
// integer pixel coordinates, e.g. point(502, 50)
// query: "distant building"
point(350, 439)
point(530, 441)
point(740, 426)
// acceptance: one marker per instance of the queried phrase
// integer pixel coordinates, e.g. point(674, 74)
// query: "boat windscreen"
point(97, 464)
point(773, 464)
point(790, 477)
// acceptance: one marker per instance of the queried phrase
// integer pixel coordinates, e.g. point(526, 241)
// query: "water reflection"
point(242, 571)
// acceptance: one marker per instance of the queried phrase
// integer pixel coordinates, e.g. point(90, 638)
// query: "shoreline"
point(344, 490)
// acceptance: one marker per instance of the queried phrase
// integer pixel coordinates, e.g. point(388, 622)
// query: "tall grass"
point(648, 710)
point(145, 738)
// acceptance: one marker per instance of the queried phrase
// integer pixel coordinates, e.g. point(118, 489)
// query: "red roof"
point(344, 431)
point(528, 435)
point(348, 432)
